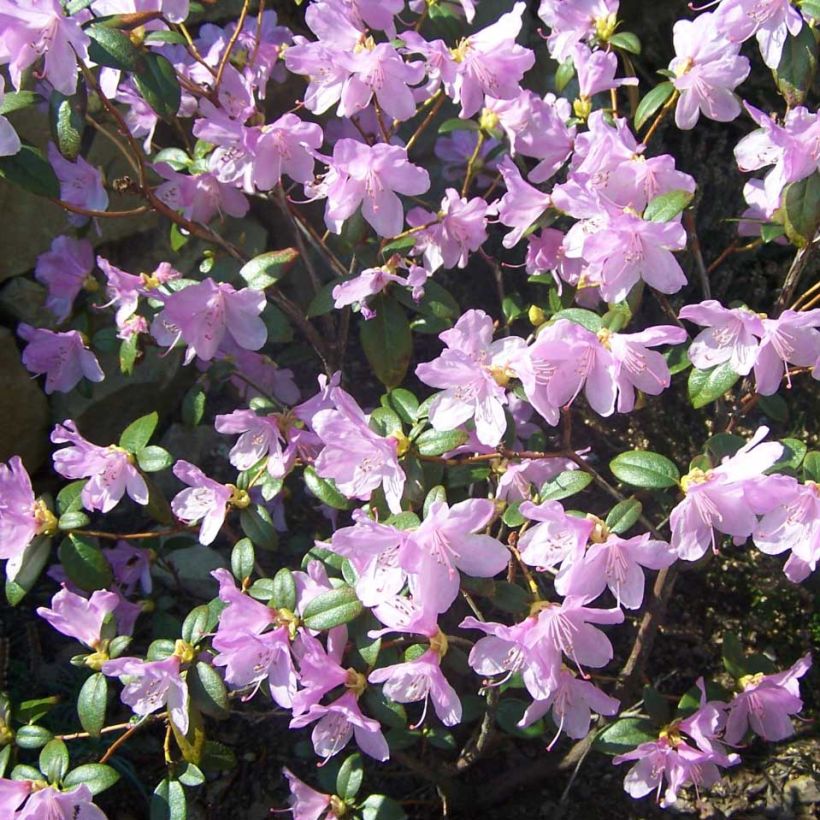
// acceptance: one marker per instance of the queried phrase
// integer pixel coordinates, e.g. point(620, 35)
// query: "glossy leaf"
point(387, 342)
point(642, 468)
point(332, 608)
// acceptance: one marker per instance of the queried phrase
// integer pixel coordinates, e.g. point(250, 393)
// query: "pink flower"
point(204, 314)
point(62, 357)
point(355, 457)
point(80, 184)
point(370, 176)
point(110, 470)
point(489, 62)
point(555, 538)
point(48, 802)
point(615, 563)
point(447, 541)
point(459, 229)
point(205, 500)
point(370, 282)
point(521, 205)
point(717, 499)
point(337, 723)
point(518, 479)
point(791, 521)
point(150, 685)
point(64, 269)
point(79, 617)
point(20, 515)
point(30, 29)
point(285, 146)
point(472, 372)
point(131, 567)
point(596, 71)
point(306, 803)
point(421, 679)
point(199, 197)
point(9, 141)
point(707, 69)
point(765, 704)
point(572, 702)
point(731, 336)
point(771, 20)
point(260, 437)
point(792, 338)
point(571, 21)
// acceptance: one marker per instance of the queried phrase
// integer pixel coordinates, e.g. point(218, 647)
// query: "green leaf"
point(436, 494)
point(168, 801)
point(208, 690)
point(216, 757)
point(665, 207)
point(771, 231)
point(656, 706)
point(652, 103)
point(774, 407)
point(196, 624)
point(624, 515)
point(564, 485)
point(325, 490)
point(626, 41)
point(436, 442)
point(242, 559)
point(257, 524)
point(801, 205)
point(53, 760)
point(811, 466)
point(350, 776)
point(110, 47)
point(283, 595)
point(624, 735)
point(33, 561)
point(810, 8)
point(794, 451)
point(379, 807)
point(332, 608)
point(722, 445)
point(29, 169)
point(69, 499)
point(705, 386)
point(400, 244)
point(191, 775)
point(565, 73)
point(32, 736)
point(193, 405)
point(509, 713)
point(404, 403)
point(642, 468)
point(139, 432)
point(734, 658)
point(67, 121)
point(158, 85)
point(512, 306)
point(677, 359)
point(512, 515)
point(170, 37)
point(798, 63)
point(387, 342)
point(152, 459)
point(15, 100)
point(586, 318)
point(30, 711)
point(437, 302)
point(690, 700)
point(268, 268)
point(456, 124)
point(128, 354)
point(385, 422)
point(510, 597)
point(84, 563)
point(96, 776)
point(91, 704)
point(73, 520)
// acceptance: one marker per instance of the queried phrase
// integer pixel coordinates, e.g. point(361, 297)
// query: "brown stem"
point(76, 209)
point(694, 247)
point(668, 105)
point(109, 752)
point(798, 265)
point(468, 177)
point(231, 43)
point(436, 107)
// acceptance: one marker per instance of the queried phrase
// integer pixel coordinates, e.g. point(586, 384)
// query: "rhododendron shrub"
point(434, 507)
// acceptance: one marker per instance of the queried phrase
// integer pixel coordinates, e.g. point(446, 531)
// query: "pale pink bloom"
point(471, 372)
point(30, 29)
point(766, 703)
point(572, 702)
point(596, 71)
point(62, 357)
point(355, 457)
point(518, 479)
point(455, 149)
point(370, 176)
point(306, 803)
point(64, 269)
point(9, 141)
point(772, 21)
point(259, 436)
point(150, 685)
point(204, 314)
point(571, 21)
point(110, 471)
point(557, 537)
point(732, 336)
point(421, 679)
point(370, 282)
point(521, 204)
point(80, 184)
point(19, 520)
point(131, 567)
point(459, 229)
point(707, 69)
point(792, 338)
point(285, 147)
point(615, 563)
point(489, 62)
point(199, 197)
point(79, 617)
point(123, 289)
point(204, 500)
point(53, 804)
point(717, 500)
point(762, 207)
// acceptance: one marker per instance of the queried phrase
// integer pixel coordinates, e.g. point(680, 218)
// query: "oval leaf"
point(91, 704)
point(436, 442)
point(96, 776)
point(332, 608)
point(268, 268)
point(704, 386)
point(564, 485)
point(652, 102)
point(387, 342)
point(642, 468)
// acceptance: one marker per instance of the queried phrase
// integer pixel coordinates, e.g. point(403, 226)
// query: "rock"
point(23, 408)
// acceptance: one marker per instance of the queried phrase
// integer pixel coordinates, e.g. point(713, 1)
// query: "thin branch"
point(231, 43)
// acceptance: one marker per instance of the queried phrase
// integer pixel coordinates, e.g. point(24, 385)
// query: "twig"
point(661, 116)
point(124, 737)
point(694, 247)
point(231, 43)
point(468, 177)
point(76, 209)
point(798, 265)
point(436, 107)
